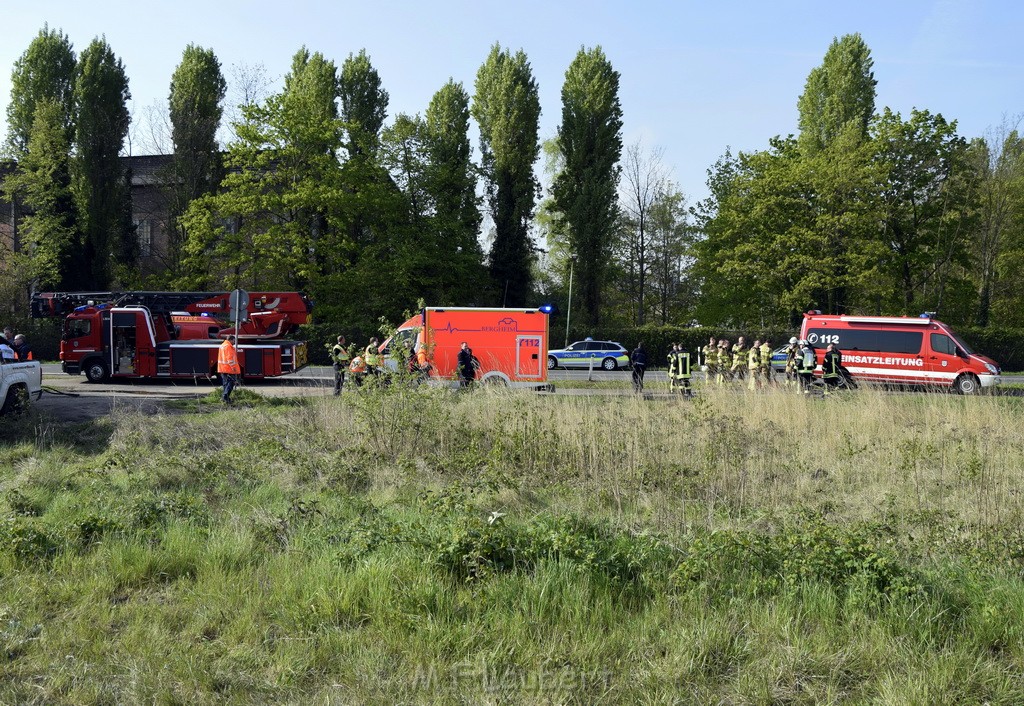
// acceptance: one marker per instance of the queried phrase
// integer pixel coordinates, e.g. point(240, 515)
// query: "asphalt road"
point(73, 398)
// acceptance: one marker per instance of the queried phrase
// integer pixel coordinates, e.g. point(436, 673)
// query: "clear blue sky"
point(697, 76)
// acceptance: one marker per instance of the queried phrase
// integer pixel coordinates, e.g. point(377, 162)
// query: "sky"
point(697, 77)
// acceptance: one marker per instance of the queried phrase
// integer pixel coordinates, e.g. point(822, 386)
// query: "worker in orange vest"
point(228, 367)
point(21, 348)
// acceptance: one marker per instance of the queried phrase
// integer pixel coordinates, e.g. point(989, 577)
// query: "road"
point(73, 398)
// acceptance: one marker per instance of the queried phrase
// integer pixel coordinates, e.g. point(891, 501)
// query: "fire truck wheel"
point(96, 370)
point(552, 362)
point(609, 364)
point(966, 384)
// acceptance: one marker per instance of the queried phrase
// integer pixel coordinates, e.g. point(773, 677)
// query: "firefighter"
point(671, 359)
point(831, 367)
point(766, 361)
point(738, 351)
point(753, 363)
point(805, 366)
point(340, 359)
point(371, 357)
point(228, 367)
point(358, 369)
point(724, 362)
point(710, 353)
point(681, 371)
point(792, 352)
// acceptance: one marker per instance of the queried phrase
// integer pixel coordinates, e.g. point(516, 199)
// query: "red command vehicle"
point(174, 334)
point(511, 345)
point(901, 350)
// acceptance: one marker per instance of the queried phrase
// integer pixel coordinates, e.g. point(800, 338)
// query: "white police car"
point(608, 355)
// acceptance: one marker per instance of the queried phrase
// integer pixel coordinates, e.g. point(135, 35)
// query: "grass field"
point(423, 546)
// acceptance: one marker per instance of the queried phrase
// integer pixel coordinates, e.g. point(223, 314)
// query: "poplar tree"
point(197, 92)
point(364, 103)
point(46, 71)
point(838, 95)
point(507, 109)
point(590, 138)
point(101, 184)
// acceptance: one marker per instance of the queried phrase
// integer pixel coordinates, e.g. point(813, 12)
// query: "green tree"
point(43, 184)
point(839, 95)
point(46, 71)
point(998, 243)
point(268, 226)
point(590, 138)
point(364, 103)
point(929, 192)
point(644, 181)
point(197, 92)
point(506, 106)
point(450, 181)
point(100, 183)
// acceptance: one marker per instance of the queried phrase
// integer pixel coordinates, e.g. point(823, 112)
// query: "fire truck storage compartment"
point(192, 360)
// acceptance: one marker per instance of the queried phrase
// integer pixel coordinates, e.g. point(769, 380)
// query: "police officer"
point(638, 359)
point(340, 359)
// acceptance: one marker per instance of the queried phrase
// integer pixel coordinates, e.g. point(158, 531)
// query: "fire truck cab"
point(920, 351)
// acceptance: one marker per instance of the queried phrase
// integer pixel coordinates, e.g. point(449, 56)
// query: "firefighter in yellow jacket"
point(739, 350)
point(753, 363)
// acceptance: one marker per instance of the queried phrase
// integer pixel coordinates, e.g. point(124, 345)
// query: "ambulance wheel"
point(609, 364)
point(966, 384)
point(96, 370)
point(552, 362)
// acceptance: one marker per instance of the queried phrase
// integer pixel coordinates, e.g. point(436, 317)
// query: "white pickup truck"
point(19, 382)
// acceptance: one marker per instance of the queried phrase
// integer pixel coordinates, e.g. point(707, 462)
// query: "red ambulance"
point(901, 350)
point(511, 345)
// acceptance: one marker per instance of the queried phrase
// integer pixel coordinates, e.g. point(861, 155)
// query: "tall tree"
point(999, 240)
point(100, 183)
point(838, 95)
point(364, 103)
point(197, 92)
point(929, 197)
point(267, 227)
point(506, 106)
point(590, 138)
point(451, 184)
point(46, 71)
point(672, 295)
point(644, 179)
point(43, 184)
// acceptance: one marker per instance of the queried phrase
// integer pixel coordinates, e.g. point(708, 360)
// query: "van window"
point(941, 343)
point(867, 340)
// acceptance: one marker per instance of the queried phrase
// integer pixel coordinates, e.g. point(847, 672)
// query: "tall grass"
point(426, 546)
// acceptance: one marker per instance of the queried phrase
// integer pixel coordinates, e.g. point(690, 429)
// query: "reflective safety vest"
point(766, 356)
point(830, 366)
point(227, 359)
point(339, 354)
point(680, 366)
point(371, 356)
point(806, 361)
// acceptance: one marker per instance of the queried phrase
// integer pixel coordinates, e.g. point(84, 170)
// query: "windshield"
point(966, 348)
point(76, 328)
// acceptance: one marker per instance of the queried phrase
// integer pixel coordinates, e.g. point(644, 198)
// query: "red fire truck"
point(510, 345)
point(174, 334)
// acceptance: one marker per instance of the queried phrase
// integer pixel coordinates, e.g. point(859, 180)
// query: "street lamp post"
point(568, 312)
